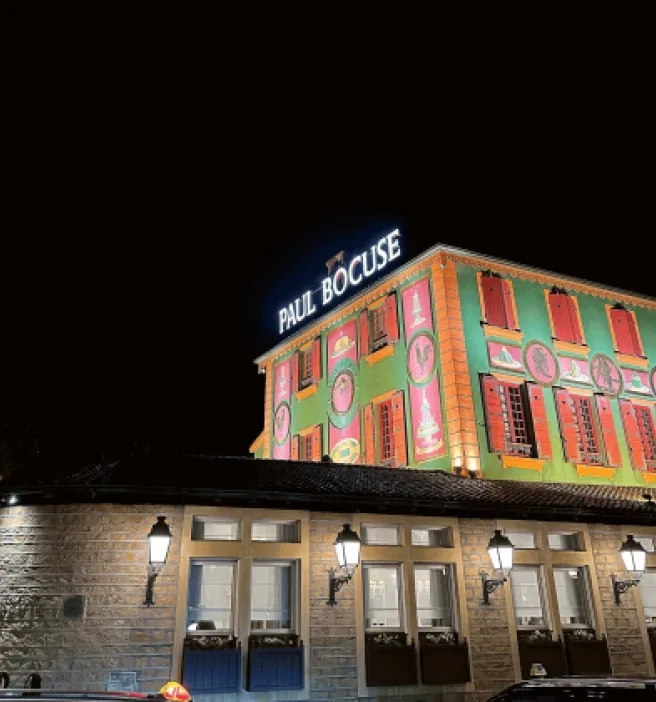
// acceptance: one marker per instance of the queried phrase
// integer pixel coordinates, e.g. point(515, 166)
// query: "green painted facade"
point(391, 373)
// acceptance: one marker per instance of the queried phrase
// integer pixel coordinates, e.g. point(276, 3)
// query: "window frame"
point(452, 596)
point(373, 525)
point(587, 597)
point(542, 594)
point(577, 400)
point(294, 590)
point(275, 521)
point(402, 628)
point(233, 596)
point(225, 520)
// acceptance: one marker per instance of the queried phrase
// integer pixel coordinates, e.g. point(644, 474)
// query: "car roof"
point(586, 682)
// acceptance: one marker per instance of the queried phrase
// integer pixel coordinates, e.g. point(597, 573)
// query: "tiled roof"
point(327, 486)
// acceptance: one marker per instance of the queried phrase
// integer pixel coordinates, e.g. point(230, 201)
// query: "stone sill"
point(521, 462)
point(379, 355)
point(572, 349)
point(634, 361)
point(583, 470)
point(502, 332)
point(307, 392)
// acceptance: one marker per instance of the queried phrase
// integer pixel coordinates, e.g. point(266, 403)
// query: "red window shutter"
point(540, 424)
point(294, 365)
point(618, 318)
point(633, 333)
point(364, 333)
point(399, 446)
point(316, 360)
point(494, 302)
point(391, 319)
point(577, 334)
point(632, 434)
point(511, 322)
point(369, 436)
point(295, 445)
point(317, 448)
point(607, 424)
point(568, 426)
point(496, 428)
point(560, 315)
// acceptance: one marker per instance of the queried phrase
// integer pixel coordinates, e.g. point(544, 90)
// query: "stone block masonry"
point(101, 553)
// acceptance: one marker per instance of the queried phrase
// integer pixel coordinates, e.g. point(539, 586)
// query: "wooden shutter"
point(511, 322)
point(399, 445)
point(632, 434)
point(317, 447)
point(561, 317)
point(633, 334)
point(568, 426)
point(391, 319)
point(493, 298)
point(607, 424)
point(577, 333)
point(369, 435)
point(496, 428)
point(364, 333)
point(294, 365)
point(539, 417)
point(315, 358)
point(295, 445)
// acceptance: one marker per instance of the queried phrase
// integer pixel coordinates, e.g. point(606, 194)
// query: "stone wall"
point(100, 552)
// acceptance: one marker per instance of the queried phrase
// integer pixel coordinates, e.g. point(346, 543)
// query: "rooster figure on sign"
point(422, 354)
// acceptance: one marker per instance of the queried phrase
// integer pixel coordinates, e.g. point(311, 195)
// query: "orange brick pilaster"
point(460, 418)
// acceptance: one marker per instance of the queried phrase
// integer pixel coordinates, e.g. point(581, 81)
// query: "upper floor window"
point(521, 539)
point(379, 326)
point(564, 315)
point(281, 532)
point(434, 594)
point(306, 366)
point(564, 541)
point(273, 596)
point(432, 536)
point(624, 328)
point(208, 529)
point(384, 431)
point(498, 301)
point(516, 418)
point(382, 597)
point(640, 434)
point(381, 535)
point(573, 597)
point(528, 598)
point(308, 445)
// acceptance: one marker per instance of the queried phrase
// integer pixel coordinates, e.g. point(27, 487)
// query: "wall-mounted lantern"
point(500, 549)
point(347, 549)
point(159, 541)
point(635, 560)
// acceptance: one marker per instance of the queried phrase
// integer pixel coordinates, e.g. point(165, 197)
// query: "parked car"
point(573, 689)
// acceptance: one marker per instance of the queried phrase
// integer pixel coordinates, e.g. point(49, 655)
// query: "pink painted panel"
point(341, 343)
point(417, 308)
point(345, 443)
point(282, 418)
point(636, 381)
point(574, 370)
point(506, 357)
point(426, 416)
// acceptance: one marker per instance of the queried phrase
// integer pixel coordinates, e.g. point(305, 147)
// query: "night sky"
point(136, 317)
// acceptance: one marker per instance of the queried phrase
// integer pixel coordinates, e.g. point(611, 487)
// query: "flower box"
point(275, 663)
point(539, 647)
point(389, 660)
point(443, 660)
point(587, 655)
point(211, 664)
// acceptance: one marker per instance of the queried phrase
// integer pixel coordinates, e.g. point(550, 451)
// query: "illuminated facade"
point(462, 363)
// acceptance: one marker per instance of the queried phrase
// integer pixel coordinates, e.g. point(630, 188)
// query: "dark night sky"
point(161, 201)
point(144, 324)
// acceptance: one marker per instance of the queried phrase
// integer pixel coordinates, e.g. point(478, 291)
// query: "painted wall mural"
point(424, 390)
point(505, 356)
point(282, 416)
point(541, 363)
point(574, 370)
point(343, 415)
point(636, 381)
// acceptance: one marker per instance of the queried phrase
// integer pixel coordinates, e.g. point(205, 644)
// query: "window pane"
point(381, 535)
point(572, 598)
point(527, 597)
point(647, 587)
point(210, 595)
point(440, 536)
point(433, 595)
point(284, 532)
point(521, 539)
point(563, 542)
point(647, 542)
point(382, 585)
point(271, 593)
point(203, 529)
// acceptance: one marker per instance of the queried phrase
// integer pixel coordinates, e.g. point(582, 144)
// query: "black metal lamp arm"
point(489, 586)
point(153, 572)
point(622, 586)
point(335, 583)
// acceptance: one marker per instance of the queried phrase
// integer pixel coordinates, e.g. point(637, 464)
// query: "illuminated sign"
point(361, 267)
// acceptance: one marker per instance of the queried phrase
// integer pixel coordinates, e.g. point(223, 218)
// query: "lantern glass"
point(347, 548)
point(500, 549)
point(159, 541)
point(633, 555)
